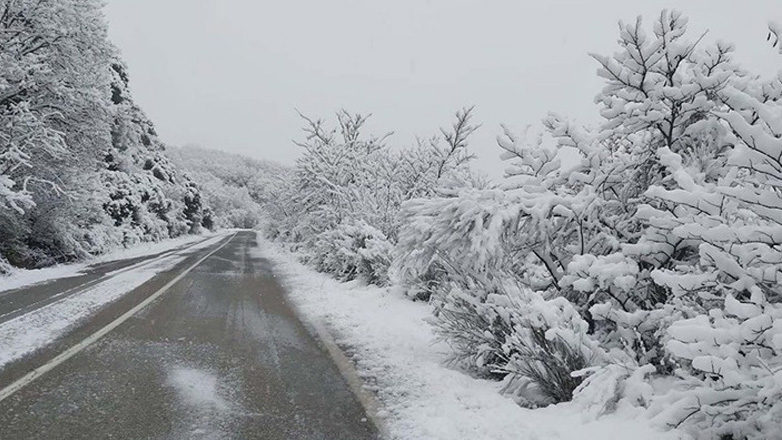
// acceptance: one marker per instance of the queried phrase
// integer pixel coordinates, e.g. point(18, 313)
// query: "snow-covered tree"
point(349, 189)
point(728, 348)
point(51, 76)
point(76, 155)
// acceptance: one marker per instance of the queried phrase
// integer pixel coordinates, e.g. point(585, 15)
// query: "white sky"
point(230, 74)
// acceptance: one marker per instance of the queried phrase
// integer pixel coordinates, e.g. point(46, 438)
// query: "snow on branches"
point(634, 263)
point(348, 190)
point(662, 232)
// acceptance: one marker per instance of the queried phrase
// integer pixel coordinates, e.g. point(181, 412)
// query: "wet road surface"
point(219, 356)
point(17, 302)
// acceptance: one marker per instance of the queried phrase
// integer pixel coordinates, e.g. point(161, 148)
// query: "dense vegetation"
point(81, 167)
point(654, 260)
point(236, 189)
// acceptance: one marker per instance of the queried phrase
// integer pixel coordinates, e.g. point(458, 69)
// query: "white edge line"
point(366, 398)
point(69, 353)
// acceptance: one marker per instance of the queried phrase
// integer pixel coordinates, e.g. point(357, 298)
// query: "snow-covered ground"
point(29, 332)
point(22, 278)
point(395, 352)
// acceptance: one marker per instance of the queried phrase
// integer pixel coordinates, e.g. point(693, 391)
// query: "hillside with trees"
point(236, 188)
point(81, 167)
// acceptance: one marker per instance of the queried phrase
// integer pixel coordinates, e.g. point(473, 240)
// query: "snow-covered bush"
point(5, 266)
point(447, 237)
point(508, 331)
point(708, 243)
point(669, 212)
point(732, 368)
point(352, 250)
point(728, 351)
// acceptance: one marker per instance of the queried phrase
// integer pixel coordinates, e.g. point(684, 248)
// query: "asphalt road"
point(20, 301)
point(219, 356)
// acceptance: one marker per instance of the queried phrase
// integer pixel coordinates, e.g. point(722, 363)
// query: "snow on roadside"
point(22, 278)
point(395, 352)
point(32, 331)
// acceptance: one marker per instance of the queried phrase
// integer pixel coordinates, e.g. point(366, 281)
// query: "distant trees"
point(238, 191)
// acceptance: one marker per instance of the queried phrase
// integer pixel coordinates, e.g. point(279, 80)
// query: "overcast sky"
point(230, 74)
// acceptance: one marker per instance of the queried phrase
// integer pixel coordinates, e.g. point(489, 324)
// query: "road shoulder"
point(399, 359)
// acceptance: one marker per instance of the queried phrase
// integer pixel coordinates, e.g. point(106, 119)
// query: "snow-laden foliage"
point(343, 203)
point(659, 246)
point(353, 250)
point(81, 169)
point(499, 328)
point(728, 348)
point(631, 263)
point(155, 198)
point(52, 57)
point(439, 231)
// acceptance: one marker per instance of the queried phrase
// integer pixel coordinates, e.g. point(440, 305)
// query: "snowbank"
point(396, 354)
point(22, 278)
point(27, 333)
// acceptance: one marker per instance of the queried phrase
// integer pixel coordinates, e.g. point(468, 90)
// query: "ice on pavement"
point(197, 388)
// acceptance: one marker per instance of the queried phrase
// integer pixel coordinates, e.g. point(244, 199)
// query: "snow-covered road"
point(35, 316)
point(198, 343)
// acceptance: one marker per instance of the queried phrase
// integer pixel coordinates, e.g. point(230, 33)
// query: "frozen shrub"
point(353, 250)
point(5, 266)
point(549, 343)
point(731, 370)
point(549, 363)
point(456, 235)
point(474, 331)
point(517, 332)
point(342, 203)
point(608, 388)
